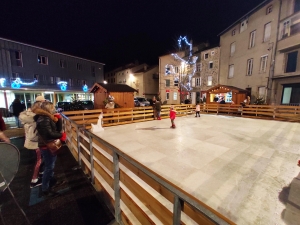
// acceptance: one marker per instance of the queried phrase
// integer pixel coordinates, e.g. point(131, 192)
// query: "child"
point(197, 110)
point(172, 116)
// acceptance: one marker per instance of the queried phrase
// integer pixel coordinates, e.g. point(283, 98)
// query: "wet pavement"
point(78, 204)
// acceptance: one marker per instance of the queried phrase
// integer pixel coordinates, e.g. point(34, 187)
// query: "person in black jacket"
point(48, 129)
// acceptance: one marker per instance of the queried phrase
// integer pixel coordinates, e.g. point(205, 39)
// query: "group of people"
point(42, 125)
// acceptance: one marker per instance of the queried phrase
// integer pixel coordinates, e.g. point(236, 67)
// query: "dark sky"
point(117, 32)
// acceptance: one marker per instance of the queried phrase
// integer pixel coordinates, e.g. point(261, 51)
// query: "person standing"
point(3, 128)
point(17, 108)
point(110, 105)
point(157, 106)
point(154, 109)
point(172, 116)
point(46, 127)
point(197, 110)
point(31, 138)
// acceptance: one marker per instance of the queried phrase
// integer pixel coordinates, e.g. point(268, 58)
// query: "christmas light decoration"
point(63, 85)
point(189, 65)
point(18, 82)
point(85, 88)
point(2, 82)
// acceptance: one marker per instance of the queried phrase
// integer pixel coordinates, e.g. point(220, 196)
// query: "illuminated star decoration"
point(189, 63)
point(2, 82)
point(85, 88)
point(63, 85)
point(18, 82)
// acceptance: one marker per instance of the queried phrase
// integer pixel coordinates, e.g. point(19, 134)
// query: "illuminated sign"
point(2, 82)
point(85, 88)
point(18, 82)
point(63, 85)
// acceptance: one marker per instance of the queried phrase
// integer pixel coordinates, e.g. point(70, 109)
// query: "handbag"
point(54, 146)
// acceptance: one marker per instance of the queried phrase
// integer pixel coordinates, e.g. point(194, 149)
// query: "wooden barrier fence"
point(133, 192)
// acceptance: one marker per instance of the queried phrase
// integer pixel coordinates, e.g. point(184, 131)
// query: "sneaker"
point(50, 194)
point(38, 183)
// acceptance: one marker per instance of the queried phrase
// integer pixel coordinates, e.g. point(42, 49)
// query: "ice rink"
point(244, 168)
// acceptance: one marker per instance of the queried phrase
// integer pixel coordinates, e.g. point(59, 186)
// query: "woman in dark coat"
point(17, 108)
point(48, 129)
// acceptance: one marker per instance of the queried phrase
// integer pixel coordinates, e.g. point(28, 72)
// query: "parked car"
point(142, 101)
point(76, 105)
point(86, 104)
point(136, 103)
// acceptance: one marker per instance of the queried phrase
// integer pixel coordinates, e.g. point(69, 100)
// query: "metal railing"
point(105, 164)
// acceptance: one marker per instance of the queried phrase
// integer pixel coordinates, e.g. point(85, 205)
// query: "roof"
point(4, 39)
point(246, 15)
point(112, 88)
point(225, 88)
point(148, 68)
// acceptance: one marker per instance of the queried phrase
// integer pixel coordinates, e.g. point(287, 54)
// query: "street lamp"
point(105, 82)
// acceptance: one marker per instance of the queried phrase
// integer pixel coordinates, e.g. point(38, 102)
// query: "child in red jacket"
point(172, 116)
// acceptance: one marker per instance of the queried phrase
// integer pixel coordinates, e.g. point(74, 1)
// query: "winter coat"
point(172, 114)
point(46, 127)
point(17, 107)
point(197, 108)
point(31, 138)
point(158, 106)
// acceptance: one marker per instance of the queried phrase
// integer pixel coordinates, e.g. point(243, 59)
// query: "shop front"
point(229, 94)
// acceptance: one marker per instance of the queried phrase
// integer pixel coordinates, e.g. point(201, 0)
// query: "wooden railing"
point(133, 192)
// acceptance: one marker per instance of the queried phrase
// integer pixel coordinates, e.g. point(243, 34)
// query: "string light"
point(2, 82)
point(18, 82)
point(63, 85)
point(85, 88)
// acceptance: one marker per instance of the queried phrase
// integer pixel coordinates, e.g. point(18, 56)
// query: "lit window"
point(263, 64)
point(175, 96)
point(249, 67)
point(231, 71)
point(209, 81)
point(252, 39)
point(267, 33)
point(57, 79)
point(42, 60)
point(232, 49)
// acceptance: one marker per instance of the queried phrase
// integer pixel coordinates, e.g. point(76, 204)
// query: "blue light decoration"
point(85, 88)
point(190, 64)
point(2, 82)
point(63, 85)
point(18, 82)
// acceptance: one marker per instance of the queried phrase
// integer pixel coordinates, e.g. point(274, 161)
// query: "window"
point(193, 82)
point(205, 55)
point(168, 70)
point(79, 67)
point(243, 25)
point(19, 60)
point(261, 92)
point(93, 71)
point(176, 81)
point(42, 60)
point(263, 64)
point(175, 96)
point(285, 29)
point(297, 6)
point(233, 32)
point(167, 83)
point(209, 81)
point(295, 28)
point(252, 39)
point(249, 67)
point(51, 80)
point(212, 53)
point(167, 96)
point(211, 64)
point(198, 81)
point(78, 82)
point(62, 63)
point(176, 69)
point(199, 67)
point(83, 82)
point(231, 71)
point(267, 33)
point(36, 77)
point(291, 62)
point(269, 9)
point(70, 82)
point(57, 79)
point(232, 49)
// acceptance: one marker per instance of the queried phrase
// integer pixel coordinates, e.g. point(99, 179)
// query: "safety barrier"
point(133, 192)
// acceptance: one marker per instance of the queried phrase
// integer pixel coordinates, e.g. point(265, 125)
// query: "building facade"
point(247, 50)
point(286, 77)
point(141, 77)
point(27, 71)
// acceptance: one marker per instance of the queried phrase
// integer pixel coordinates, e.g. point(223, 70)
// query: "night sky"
point(118, 32)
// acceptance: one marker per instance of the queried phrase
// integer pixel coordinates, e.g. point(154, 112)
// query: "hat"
point(40, 99)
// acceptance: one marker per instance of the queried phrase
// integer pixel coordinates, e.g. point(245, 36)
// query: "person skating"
point(172, 116)
point(197, 110)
